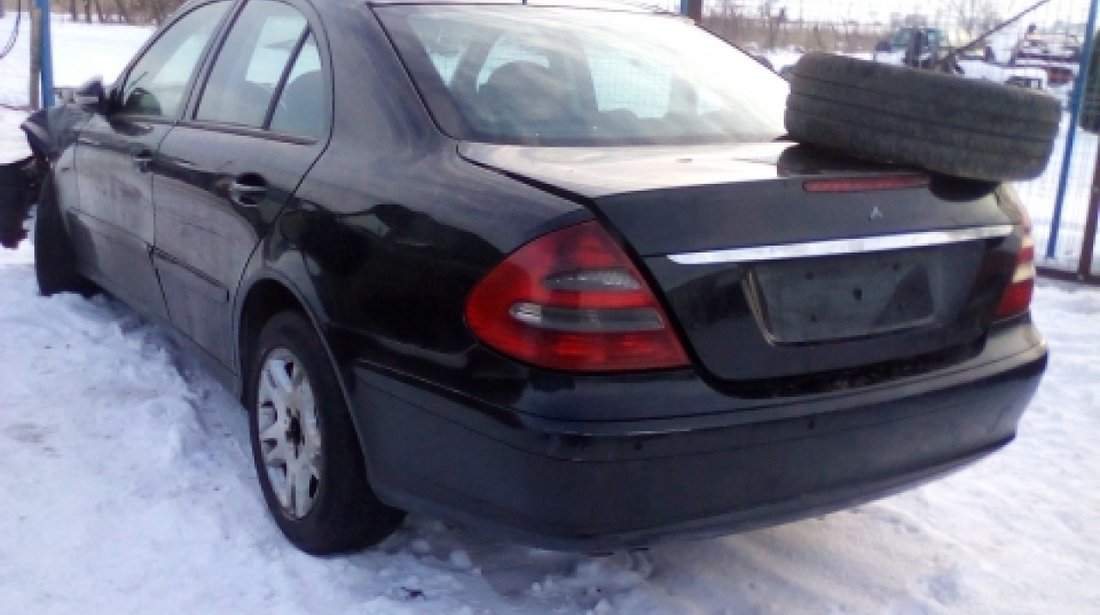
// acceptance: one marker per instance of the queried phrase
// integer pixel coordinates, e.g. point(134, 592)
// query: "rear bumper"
point(623, 484)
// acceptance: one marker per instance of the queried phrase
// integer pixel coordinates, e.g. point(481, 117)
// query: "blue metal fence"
point(1066, 221)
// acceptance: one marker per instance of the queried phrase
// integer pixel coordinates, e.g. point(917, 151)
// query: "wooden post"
point(1088, 247)
point(695, 10)
point(35, 55)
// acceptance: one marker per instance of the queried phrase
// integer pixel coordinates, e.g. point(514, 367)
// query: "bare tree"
point(727, 19)
point(774, 17)
point(123, 11)
point(973, 16)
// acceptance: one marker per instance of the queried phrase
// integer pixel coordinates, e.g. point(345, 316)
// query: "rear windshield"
point(560, 76)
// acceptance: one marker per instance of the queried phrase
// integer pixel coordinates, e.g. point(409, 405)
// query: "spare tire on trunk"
point(943, 123)
point(1090, 116)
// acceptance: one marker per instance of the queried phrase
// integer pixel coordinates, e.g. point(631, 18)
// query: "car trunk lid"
point(781, 261)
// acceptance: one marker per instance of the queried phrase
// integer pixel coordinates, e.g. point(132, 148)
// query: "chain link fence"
point(1025, 43)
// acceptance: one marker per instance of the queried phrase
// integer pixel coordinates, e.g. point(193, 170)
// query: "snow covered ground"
point(80, 52)
point(128, 488)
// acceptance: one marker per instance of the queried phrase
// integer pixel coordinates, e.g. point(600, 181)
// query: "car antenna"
point(949, 59)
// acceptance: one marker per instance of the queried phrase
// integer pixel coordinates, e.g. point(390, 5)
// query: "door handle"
point(248, 190)
point(142, 160)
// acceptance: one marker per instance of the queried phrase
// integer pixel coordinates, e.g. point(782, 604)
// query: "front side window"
point(251, 63)
point(158, 81)
point(560, 76)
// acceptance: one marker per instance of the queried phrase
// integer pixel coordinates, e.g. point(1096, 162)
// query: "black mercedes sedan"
point(546, 270)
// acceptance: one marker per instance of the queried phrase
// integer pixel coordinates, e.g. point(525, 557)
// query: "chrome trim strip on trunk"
point(832, 247)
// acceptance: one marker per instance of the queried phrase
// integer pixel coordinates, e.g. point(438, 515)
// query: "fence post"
point(1076, 105)
point(692, 9)
point(46, 55)
point(35, 49)
point(1088, 248)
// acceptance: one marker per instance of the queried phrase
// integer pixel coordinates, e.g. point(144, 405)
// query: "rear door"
point(260, 121)
point(114, 218)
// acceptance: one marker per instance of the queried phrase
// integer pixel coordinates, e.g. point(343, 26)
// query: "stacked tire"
point(940, 122)
point(1090, 118)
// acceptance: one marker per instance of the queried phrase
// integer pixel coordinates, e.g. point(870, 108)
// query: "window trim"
point(279, 87)
point(247, 131)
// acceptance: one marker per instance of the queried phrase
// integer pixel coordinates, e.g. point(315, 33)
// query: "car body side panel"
point(394, 227)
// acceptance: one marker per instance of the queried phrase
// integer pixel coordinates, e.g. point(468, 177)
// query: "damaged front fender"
point(19, 185)
point(49, 132)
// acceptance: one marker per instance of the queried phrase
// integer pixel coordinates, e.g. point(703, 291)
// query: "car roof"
point(616, 5)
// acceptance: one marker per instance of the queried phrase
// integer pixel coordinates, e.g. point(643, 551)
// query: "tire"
point(334, 510)
point(54, 259)
point(1090, 116)
point(943, 123)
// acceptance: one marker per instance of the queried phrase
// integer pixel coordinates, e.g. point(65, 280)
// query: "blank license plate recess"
point(852, 296)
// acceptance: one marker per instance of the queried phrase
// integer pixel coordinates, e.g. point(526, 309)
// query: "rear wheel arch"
point(265, 298)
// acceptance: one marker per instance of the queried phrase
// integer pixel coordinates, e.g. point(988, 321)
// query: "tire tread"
point(943, 123)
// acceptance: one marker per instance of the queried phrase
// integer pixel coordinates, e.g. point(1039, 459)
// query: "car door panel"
point(204, 238)
point(113, 214)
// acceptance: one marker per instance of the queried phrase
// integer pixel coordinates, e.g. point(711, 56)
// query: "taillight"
point(1017, 297)
point(572, 300)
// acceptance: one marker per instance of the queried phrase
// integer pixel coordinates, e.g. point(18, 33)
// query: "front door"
point(116, 154)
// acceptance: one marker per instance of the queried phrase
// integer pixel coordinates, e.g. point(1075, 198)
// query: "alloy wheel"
point(289, 434)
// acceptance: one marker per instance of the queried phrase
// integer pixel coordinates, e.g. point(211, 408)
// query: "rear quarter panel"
point(390, 230)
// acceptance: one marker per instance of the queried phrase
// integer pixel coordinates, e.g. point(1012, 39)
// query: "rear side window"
point(156, 84)
point(251, 64)
point(303, 107)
